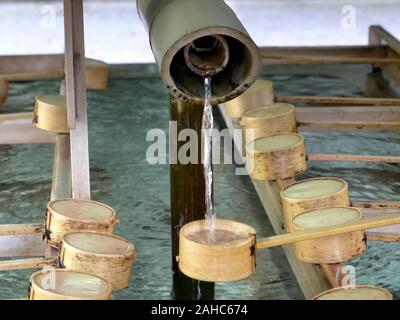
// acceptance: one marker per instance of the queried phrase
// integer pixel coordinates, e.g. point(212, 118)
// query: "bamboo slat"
point(11, 229)
point(326, 60)
point(348, 118)
point(316, 233)
point(328, 55)
point(3, 92)
point(349, 126)
point(76, 97)
point(379, 36)
point(337, 101)
point(17, 128)
point(50, 66)
point(31, 67)
point(346, 113)
point(61, 182)
point(388, 234)
point(352, 157)
point(365, 51)
point(20, 264)
point(383, 35)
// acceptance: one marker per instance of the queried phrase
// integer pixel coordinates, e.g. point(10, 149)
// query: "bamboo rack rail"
point(11, 229)
point(376, 54)
point(16, 128)
point(19, 264)
point(336, 101)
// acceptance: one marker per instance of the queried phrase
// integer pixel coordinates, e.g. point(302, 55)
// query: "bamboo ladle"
point(231, 261)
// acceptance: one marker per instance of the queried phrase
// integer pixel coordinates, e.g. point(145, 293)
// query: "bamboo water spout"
point(200, 44)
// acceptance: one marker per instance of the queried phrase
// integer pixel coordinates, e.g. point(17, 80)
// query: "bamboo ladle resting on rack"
point(231, 256)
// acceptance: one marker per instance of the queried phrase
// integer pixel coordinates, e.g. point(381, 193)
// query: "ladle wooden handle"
point(293, 237)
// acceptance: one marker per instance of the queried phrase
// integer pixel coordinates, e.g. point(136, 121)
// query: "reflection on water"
point(119, 119)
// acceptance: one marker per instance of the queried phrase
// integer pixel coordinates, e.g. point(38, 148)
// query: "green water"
point(119, 119)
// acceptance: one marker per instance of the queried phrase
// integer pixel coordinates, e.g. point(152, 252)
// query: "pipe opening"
point(235, 77)
point(207, 56)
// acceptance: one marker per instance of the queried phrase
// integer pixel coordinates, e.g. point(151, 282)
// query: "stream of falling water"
point(207, 134)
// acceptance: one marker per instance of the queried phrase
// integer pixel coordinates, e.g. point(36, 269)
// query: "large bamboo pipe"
point(191, 39)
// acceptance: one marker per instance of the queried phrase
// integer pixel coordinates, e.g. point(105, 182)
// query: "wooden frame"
point(48, 66)
point(76, 97)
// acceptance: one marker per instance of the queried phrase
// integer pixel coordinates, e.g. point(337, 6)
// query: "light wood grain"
point(22, 245)
point(31, 67)
point(76, 97)
point(20, 264)
point(17, 128)
point(10, 229)
point(3, 92)
point(337, 101)
point(382, 35)
point(277, 60)
point(297, 236)
point(353, 157)
point(379, 36)
point(348, 113)
point(50, 66)
point(325, 55)
point(349, 126)
point(61, 182)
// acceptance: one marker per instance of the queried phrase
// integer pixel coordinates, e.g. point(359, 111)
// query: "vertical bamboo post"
point(187, 190)
point(76, 97)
